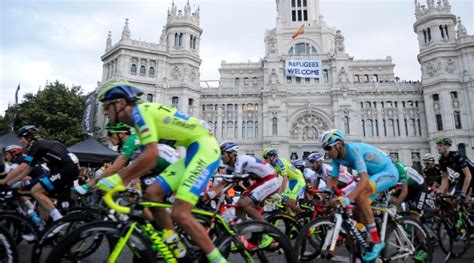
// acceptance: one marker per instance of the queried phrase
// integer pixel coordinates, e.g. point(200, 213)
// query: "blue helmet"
point(229, 147)
point(119, 90)
point(331, 136)
point(269, 152)
point(315, 157)
point(299, 164)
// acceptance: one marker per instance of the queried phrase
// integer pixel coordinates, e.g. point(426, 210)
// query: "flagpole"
point(15, 114)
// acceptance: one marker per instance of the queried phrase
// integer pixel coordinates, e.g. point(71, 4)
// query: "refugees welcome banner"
point(303, 68)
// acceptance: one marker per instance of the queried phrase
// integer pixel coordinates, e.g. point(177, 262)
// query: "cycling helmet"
point(315, 157)
point(428, 158)
point(331, 136)
point(13, 149)
point(119, 90)
point(26, 130)
point(269, 152)
point(229, 147)
point(299, 164)
point(117, 128)
point(444, 140)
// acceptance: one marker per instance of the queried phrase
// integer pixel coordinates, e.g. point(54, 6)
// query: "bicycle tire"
point(8, 251)
point(18, 225)
point(252, 232)
point(413, 229)
point(447, 232)
point(108, 231)
point(291, 227)
point(307, 237)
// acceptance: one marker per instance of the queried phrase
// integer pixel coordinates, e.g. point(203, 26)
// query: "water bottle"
point(36, 219)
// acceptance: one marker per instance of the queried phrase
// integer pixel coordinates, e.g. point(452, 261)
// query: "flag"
point(298, 32)
point(88, 117)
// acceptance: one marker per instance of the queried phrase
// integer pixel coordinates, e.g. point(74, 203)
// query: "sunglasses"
point(106, 105)
point(328, 148)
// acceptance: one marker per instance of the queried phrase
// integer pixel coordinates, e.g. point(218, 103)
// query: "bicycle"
point(145, 243)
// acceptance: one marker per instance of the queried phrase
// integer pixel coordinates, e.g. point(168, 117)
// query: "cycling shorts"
point(383, 180)
point(263, 189)
point(61, 181)
point(294, 189)
point(189, 176)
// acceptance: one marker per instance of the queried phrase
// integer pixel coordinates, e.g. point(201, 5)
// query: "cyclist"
point(376, 174)
point(13, 155)
point(322, 172)
point(414, 189)
point(431, 171)
point(266, 181)
point(63, 167)
point(293, 183)
point(459, 164)
point(187, 177)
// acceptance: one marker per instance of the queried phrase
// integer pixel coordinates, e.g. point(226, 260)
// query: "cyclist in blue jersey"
point(376, 171)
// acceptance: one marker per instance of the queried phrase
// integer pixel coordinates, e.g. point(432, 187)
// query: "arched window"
point(229, 107)
point(346, 124)
point(363, 128)
point(356, 78)
point(246, 81)
point(175, 101)
point(302, 49)
point(250, 130)
point(390, 128)
point(274, 126)
point(133, 69)
point(149, 97)
point(375, 78)
point(237, 81)
point(366, 78)
point(411, 127)
point(370, 128)
point(435, 97)
point(191, 41)
point(151, 72)
point(254, 81)
point(230, 130)
point(194, 43)
point(457, 120)
point(142, 70)
point(454, 95)
point(176, 40)
point(180, 42)
point(325, 76)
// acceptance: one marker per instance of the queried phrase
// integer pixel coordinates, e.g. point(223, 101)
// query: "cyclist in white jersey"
point(322, 171)
point(266, 181)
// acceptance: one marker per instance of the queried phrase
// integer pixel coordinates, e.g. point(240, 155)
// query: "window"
point(435, 97)
point(149, 97)
point(235, 129)
point(237, 81)
point(363, 128)
point(398, 127)
point(133, 69)
point(462, 148)
point(377, 127)
point(406, 127)
point(307, 80)
point(175, 101)
point(446, 31)
point(250, 130)
point(255, 81)
point(370, 128)
point(142, 70)
point(428, 31)
point(298, 80)
point(356, 78)
point(230, 107)
point(325, 75)
point(424, 35)
point(412, 128)
point(151, 72)
point(230, 130)
point(361, 105)
point(390, 128)
point(246, 81)
point(442, 31)
point(223, 130)
point(180, 42)
point(375, 78)
point(419, 127)
point(384, 127)
point(346, 124)
point(288, 80)
point(454, 95)
point(302, 49)
point(243, 130)
point(366, 78)
point(299, 7)
point(439, 122)
point(176, 39)
point(190, 102)
point(457, 120)
point(274, 126)
point(215, 128)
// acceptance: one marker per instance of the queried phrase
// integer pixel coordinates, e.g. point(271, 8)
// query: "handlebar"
point(108, 199)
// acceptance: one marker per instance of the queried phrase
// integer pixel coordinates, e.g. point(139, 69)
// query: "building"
point(259, 105)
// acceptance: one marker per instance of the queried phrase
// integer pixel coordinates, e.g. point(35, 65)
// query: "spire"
point(108, 45)
point(430, 4)
point(417, 7)
point(462, 32)
point(187, 9)
point(126, 30)
point(447, 5)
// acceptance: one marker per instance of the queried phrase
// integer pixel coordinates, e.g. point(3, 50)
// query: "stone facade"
point(255, 105)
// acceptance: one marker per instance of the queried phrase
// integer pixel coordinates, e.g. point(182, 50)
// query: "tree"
point(56, 111)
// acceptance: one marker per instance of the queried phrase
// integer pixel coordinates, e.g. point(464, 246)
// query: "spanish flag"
point(298, 32)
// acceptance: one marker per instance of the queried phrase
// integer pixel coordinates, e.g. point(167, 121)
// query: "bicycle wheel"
point(71, 248)
point(19, 226)
point(8, 251)
point(452, 239)
point(56, 232)
point(285, 224)
point(310, 241)
point(416, 247)
point(247, 245)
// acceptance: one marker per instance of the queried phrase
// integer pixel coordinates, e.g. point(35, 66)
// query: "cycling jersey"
point(366, 158)
point(296, 182)
point(417, 188)
point(457, 161)
point(432, 174)
point(325, 171)
point(189, 176)
point(256, 168)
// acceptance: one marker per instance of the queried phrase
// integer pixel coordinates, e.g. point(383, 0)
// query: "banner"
point(303, 68)
point(88, 117)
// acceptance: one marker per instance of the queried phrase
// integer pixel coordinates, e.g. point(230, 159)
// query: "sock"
point(55, 214)
point(215, 256)
point(372, 228)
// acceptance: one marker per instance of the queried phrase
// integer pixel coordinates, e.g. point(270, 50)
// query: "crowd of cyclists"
point(349, 175)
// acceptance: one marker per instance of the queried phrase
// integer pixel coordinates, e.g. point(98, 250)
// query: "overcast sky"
point(48, 40)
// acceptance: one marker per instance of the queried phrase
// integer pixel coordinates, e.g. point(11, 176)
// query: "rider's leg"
point(247, 205)
point(154, 193)
point(39, 194)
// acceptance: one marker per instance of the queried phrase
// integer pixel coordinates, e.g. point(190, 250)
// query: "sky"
point(46, 40)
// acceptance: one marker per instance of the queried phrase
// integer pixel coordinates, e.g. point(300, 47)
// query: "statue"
point(339, 42)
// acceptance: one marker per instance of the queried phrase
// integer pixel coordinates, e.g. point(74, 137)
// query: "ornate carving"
point(449, 65)
point(339, 42)
point(308, 127)
point(177, 72)
point(193, 75)
point(432, 68)
point(343, 76)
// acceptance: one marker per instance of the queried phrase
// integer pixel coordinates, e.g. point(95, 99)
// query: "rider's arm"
point(17, 174)
point(467, 179)
point(444, 183)
point(361, 186)
point(217, 189)
point(119, 163)
point(145, 162)
point(284, 183)
point(332, 182)
point(403, 194)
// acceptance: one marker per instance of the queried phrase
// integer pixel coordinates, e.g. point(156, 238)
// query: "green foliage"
point(56, 111)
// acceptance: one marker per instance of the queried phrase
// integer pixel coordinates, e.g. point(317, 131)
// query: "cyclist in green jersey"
point(293, 183)
point(188, 177)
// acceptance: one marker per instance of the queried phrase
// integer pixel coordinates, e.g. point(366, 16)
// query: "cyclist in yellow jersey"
point(187, 177)
point(293, 183)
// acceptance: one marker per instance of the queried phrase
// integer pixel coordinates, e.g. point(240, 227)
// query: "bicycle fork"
point(121, 244)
